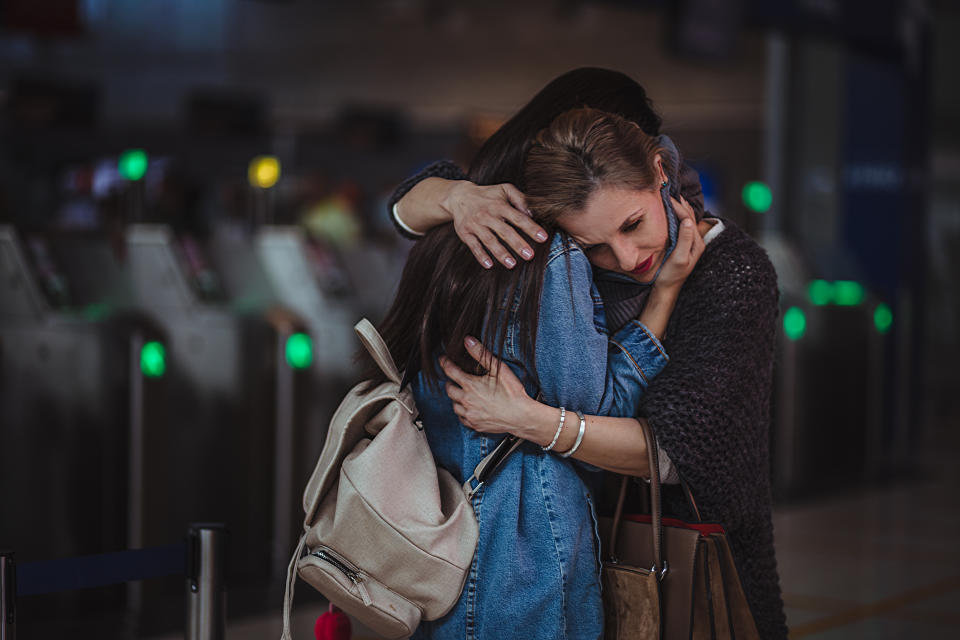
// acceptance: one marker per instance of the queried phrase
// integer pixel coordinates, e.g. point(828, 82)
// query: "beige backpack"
point(389, 536)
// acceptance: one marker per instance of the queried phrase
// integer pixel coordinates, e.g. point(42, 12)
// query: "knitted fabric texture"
point(710, 408)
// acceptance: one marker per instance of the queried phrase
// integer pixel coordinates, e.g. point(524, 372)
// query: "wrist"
point(663, 290)
point(540, 422)
point(447, 195)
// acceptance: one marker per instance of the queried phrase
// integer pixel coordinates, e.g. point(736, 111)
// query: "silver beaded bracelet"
point(556, 436)
point(576, 445)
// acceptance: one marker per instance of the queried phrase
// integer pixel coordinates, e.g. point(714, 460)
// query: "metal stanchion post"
point(206, 590)
point(8, 596)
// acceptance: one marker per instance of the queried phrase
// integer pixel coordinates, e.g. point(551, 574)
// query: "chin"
point(644, 278)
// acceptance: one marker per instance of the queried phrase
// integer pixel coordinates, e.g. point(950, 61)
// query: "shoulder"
point(563, 245)
point(567, 257)
point(734, 264)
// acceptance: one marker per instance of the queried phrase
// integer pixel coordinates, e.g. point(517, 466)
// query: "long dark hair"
point(444, 293)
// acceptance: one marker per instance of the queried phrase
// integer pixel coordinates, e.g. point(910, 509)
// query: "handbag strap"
point(655, 508)
point(377, 348)
point(689, 496)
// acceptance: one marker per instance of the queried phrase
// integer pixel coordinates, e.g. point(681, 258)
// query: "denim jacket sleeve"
point(578, 365)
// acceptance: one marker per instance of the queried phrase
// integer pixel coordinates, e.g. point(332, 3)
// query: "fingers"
point(683, 209)
point(685, 238)
point(492, 243)
point(489, 225)
point(454, 392)
point(478, 251)
point(529, 227)
point(515, 197)
point(480, 353)
point(509, 235)
point(454, 372)
point(522, 220)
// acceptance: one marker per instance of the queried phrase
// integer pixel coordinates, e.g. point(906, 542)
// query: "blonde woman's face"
point(622, 230)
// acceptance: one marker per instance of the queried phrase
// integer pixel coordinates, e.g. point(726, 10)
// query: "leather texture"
point(698, 597)
point(631, 603)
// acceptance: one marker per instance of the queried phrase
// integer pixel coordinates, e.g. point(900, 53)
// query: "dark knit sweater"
point(710, 406)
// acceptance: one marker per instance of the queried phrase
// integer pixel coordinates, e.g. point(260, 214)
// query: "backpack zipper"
point(326, 554)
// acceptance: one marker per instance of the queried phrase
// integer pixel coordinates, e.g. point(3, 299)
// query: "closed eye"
point(633, 225)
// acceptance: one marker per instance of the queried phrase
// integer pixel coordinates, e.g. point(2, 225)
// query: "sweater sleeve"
point(710, 406)
point(440, 169)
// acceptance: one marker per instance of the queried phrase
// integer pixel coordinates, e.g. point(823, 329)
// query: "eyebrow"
point(630, 219)
point(626, 223)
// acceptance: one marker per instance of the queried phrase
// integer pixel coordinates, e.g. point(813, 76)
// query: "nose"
point(626, 256)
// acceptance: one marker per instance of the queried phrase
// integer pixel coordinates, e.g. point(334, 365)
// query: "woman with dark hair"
point(709, 408)
point(536, 566)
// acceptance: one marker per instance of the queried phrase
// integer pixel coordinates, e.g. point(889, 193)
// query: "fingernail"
point(541, 235)
point(687, 223)
point(471, 341)
point(510, 262)
point(526, 253)
point(487, 263)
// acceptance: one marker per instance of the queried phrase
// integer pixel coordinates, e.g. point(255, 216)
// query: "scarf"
point(624, 297)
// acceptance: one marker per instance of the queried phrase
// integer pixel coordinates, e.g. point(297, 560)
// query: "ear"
point(659, 163)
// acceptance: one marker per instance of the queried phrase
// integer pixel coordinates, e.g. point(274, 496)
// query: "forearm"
point(614, 444)
point(422, 208)
point(656, 313)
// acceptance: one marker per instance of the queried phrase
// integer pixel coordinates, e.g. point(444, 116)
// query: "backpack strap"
point(289, 587)
point(377, 348)
point(485, 468)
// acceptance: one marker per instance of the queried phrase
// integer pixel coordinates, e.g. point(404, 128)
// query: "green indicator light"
point(153, 359)
point(820, 292)
point(757, 197)
point(299, 351)
point(847, 293)
point(96, 311)
point(882, 318)
point(794, 323)
point(133, 164)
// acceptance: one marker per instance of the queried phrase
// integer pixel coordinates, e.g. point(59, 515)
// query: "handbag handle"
point(655, 511)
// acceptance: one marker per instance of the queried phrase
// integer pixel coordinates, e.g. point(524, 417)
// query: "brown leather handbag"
point(665, 578)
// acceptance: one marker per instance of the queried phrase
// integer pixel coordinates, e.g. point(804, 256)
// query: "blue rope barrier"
point(84, 572)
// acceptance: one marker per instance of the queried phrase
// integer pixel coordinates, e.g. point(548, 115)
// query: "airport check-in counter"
point(73, 394)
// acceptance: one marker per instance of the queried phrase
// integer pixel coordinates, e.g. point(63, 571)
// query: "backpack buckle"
point(468, 489)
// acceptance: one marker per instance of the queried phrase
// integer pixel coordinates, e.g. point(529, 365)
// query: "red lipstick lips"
point(643, 266)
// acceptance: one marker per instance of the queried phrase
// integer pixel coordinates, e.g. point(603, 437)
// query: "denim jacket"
point(536, 569)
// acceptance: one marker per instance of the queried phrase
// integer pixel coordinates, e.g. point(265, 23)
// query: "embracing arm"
point(485, 217)
point(500, 404)
point(579, 367)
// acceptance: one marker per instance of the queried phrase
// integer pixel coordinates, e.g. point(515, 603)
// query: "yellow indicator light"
point(264, 171)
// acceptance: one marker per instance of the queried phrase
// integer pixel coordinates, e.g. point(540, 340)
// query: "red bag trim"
point(705, 528)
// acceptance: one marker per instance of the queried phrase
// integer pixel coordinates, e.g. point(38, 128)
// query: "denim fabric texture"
point(536, 570)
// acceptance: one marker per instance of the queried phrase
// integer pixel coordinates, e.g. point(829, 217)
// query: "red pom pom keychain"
point(333, 624)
